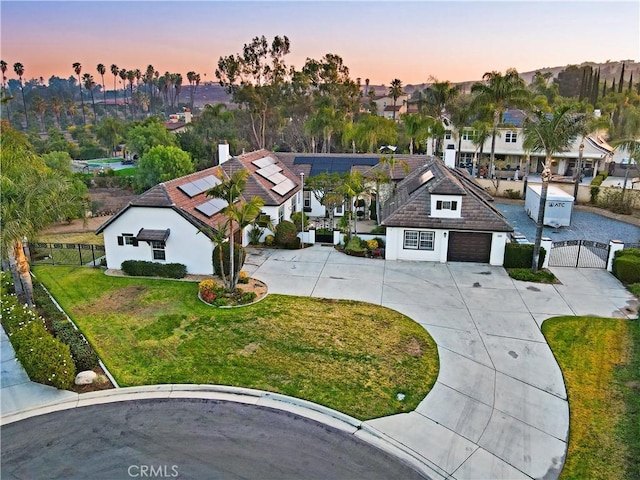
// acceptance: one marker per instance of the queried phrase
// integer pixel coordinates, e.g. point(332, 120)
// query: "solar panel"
point(212, 207)
point(190, 189)
point(264, 162)
point(201, 185)
point(284, 187)
point(416, 183)
point(212, 181)
point(268, 171)
point(277, 178)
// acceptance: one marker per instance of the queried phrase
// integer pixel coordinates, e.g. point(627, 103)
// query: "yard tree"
point(415, 127)
point(162, 163)
point(550, 134)
point(326, 187)
point(395, 91)
point(59, 162)
point(19, 69)
point(148, 134)
point(237, 211)
point(33, 196)
point(498, 92)
point(109, 133)
point(353, 185)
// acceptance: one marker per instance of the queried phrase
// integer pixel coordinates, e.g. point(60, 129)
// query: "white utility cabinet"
point(558, 207)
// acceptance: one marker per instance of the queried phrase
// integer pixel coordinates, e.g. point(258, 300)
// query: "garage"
point(469, 247)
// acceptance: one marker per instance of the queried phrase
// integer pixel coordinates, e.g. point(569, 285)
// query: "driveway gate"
point(579, 253)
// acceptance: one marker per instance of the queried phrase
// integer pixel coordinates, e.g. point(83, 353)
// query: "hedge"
point(45, 359)
point(286, 234)
point(517, 255)
point(626, 265)
point(239, 256)
point(141, 268)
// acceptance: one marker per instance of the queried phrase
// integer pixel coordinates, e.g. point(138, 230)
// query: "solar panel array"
point(336, 164)
point(419, 181)
point(211, 207)
point(284, 187)
point(198, 186)
point(269, 170)
point(264, 162)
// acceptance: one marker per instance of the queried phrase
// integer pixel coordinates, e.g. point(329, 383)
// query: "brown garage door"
point(469, 247)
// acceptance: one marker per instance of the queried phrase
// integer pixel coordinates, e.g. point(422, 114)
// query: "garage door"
point(469, 247)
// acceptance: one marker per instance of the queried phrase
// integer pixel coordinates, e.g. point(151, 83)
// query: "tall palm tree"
point(149, 80)
point(90, 84)
point(56, 108)
point(131, 76)
point(550, 134)
point(102, 70)
point(78, 69)
point(123, 77)
point(115, 71)
point(5, 97)
point(395, 90)
point(191, 78)
point(19, 69)
point(39, 106)
point(497, 93)
point(231, 191)
point(436, 100)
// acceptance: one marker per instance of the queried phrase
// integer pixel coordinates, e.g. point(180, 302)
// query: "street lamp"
point(302, 211)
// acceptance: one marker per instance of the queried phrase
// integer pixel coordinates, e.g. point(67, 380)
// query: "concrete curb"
point(303, 408)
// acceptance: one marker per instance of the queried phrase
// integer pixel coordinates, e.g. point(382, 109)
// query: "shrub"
point(518, 255)
point(239, 255)
point(635, 252)
point(295, 219)
point(45, 359)
point(255, 233)
point(142, 268)
point(528, 275)
point(210, 291)
point(355, 247)
point(286, 233)
point(378, 230)
point(509, 193)
point(243, 278)
point(269, 240)
point(381, 242)
point(616, 201)
point(626, 268)
point(372, 244)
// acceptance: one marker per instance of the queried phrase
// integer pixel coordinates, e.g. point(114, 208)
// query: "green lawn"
point(600, 361)
point(350, 356)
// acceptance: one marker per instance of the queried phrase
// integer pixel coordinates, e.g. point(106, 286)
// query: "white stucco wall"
point(446, 213)
point(184, 245)
point(395, 240)
point(498, 242)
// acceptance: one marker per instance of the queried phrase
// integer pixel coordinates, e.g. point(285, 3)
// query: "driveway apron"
point(499, 407)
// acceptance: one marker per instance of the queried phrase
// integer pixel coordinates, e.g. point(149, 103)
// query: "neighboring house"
point(384, 105)
point(509, 151)
point(441, 214)
point(175, 221)
point(178, 121)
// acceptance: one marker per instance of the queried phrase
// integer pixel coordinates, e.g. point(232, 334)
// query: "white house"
point(441, 214)
point(175, 221)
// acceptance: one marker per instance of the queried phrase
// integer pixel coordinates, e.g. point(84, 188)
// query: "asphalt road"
point(199, 439)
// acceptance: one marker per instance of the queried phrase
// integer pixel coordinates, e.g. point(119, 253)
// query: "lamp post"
point(578, 172)
point(302, 212)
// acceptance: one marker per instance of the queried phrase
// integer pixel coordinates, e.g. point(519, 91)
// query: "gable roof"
point(410, 206)
point(187, 195)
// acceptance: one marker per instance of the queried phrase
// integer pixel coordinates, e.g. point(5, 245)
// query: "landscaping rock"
point(85, 378)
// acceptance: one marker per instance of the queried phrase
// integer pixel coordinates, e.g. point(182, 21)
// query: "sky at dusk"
point(412, 41)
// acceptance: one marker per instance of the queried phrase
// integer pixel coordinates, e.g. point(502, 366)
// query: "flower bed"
point(248, 291)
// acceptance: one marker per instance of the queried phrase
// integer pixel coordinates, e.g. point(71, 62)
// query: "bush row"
point(518, 255)
point(141, 268)
point(359, 247)
point(595, 185)
point(45, 359)
point(626, 265)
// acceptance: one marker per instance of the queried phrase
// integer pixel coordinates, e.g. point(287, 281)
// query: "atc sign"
point(556, 204)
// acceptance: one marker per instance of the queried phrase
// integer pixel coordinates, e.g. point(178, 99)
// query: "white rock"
point(85, 378)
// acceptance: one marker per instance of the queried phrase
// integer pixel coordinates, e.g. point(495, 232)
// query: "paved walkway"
point(499, 407)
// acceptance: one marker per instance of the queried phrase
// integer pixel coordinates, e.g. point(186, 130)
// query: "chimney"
point(223, 152)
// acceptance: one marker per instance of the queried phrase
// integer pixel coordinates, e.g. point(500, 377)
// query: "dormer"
point(446, 206)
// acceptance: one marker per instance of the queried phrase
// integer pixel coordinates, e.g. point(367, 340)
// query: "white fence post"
point(614, 246)
point(547, 244)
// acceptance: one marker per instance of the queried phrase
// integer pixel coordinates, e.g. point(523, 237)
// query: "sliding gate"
point(579, 253)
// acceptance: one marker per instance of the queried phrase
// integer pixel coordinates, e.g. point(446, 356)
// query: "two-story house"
point(441, 214)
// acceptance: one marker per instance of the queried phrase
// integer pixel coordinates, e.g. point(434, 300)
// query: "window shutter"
point(134, 241)
point(439, 205)
point(454, 205)
point(120, 240)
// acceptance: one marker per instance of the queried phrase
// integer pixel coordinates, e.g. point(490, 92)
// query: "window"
point(510, 137)
point(414, 240)
point(446, 205)
point(158, 250)
point(128, 239)
point(307, 199)
point(339, 210)
point(281, 213)
point(469, 135)
point(447, 135)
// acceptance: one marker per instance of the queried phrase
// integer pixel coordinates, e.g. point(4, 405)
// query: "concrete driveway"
point(499, 407)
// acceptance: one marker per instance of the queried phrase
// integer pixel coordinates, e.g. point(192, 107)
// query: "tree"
point(89, 84)
point(230, 191)
point(497, 93)
point(6, 97)
point(162, 163)
point(109, 133)
point(148, 134)
point(371, 130)
point(353, 185)
point(326, 188)
point(379, 176)
point(550, 134)
point(39, 106)
point(115, 72)
point(102, 70)
point(395, 90)
point(59, 162)
point(33, 196)
point(19, 69)
point(77, 68)
point(415, 126)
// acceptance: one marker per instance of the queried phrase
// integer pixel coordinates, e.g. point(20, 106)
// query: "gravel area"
point(584, 226)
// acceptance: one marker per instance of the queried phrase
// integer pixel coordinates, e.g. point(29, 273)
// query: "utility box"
point(557, 212)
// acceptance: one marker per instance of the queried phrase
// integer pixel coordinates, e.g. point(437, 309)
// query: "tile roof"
point(410, 205)
point(169, 194)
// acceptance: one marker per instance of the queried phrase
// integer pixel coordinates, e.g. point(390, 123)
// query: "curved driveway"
point(499, 407)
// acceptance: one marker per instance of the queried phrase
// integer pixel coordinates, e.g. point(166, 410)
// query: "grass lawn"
point(600, 361)
point(350, 356)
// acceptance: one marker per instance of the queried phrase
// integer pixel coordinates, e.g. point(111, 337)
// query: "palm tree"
point(123, 77)
point(39, 106)
point(414, 125)
point(19, 69)
point(5, 97)
point(395, 90)
point(115, 72)
point(89, 84)
point(352, 187)
point(550, 134)
point(191, 78)
point(482, 132)
point(131, 76)
point(379, 177)
point(149, 80)
point(231, 191)
point(78, 68)
point(56, 107)
point(102, 70)
point(497, 93)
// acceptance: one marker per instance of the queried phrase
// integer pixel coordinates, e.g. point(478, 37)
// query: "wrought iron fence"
point(579, 253)
point(66, 254)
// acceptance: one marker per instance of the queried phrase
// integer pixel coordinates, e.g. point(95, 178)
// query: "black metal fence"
point(579, 253)
point(65, 254)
